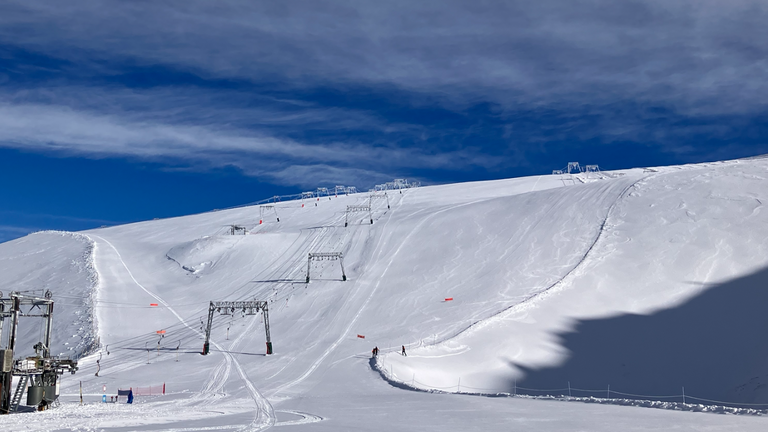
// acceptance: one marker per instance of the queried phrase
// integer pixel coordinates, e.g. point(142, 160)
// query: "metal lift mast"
point(357, 208)
point(329, 256)
point(227, 307)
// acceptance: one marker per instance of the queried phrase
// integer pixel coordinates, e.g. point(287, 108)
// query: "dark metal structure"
point(355, 209)
point(40, 371)
point(326, 256)
point(264, 210)
point(230, 307)
point(235, 229)
point(375, 196)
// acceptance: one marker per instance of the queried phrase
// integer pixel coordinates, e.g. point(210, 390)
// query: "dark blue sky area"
point(115, 114)
point(72, 193)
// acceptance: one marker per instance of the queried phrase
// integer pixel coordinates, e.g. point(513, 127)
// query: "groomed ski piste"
point(575, 304)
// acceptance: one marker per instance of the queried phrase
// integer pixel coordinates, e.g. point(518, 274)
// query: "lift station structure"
point(41, 371)
point(237, 229)
point(229, 308)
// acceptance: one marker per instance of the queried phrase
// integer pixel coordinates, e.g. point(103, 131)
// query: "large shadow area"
point(715, 345)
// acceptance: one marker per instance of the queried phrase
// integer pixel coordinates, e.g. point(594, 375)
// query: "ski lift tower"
point(229, 308)
point(43, 370)
point(322, 191)
point(573, 167)
point(376, 196)
point(333, 256)
point(356, 209)
point(265, 209)
point(340, 189)
point(592, 169)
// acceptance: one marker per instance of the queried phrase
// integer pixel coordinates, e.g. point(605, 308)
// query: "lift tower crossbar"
point(355, 209)
point(329, 256)
point(229, 307)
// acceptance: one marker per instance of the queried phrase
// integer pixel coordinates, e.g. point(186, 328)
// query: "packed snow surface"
point(635, 286)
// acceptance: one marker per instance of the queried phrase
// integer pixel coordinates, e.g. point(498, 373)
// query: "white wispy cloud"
point(46, 127)
point(692, 58)
point(695, 56)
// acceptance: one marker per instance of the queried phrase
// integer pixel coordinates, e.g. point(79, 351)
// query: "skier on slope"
point(375, 352)
point(403, 352)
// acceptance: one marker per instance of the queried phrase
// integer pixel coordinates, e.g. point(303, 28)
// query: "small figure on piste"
point(375, 352)
point(403, 352)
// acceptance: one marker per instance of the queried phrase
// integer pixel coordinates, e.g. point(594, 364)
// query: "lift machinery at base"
point(41, 371)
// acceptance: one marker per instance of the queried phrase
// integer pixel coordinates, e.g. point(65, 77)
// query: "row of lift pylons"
point(39, 374)
point(255, 306)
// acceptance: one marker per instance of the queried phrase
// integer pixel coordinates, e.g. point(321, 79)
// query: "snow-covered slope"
point(61, 262)
point(655, 305)
point(644, 280)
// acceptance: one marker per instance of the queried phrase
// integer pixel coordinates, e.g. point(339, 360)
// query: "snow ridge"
point(87, 322)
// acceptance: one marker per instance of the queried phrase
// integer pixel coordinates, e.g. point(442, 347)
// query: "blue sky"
point(113, 112)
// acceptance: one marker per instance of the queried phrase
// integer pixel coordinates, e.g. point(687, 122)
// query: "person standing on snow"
point(403, 353)
point(375, 352)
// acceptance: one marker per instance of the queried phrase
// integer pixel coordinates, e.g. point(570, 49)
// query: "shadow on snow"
point(715, 345)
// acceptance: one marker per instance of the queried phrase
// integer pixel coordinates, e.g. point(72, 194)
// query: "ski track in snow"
point(265, 416)
point(524, 304)
point(306, 418)
point(531, 301)
point(346, 331)
point(377, 253)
